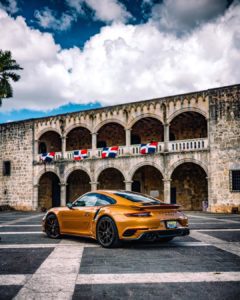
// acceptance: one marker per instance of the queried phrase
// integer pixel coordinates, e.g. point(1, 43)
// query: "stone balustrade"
point(188, 145)
point(173, 146)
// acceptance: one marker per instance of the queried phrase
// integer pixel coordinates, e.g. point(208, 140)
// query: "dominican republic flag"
point(148, 148)
point(47, 157)
point(80, 154)
point(110, 152)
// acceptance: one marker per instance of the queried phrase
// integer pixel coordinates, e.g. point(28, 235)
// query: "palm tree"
point(7, 66)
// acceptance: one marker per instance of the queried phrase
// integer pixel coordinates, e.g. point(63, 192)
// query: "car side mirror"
point(70, 205)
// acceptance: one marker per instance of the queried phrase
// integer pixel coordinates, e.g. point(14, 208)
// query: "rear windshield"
point(135, 197)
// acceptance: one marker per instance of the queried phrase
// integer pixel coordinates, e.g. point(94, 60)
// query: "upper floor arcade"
point(185, 129)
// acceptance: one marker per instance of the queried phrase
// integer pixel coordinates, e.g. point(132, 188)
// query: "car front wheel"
point(52, 227)
point(107, 234)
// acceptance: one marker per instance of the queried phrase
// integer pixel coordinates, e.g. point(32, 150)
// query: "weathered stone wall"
point(224, 148)
point(16, 145)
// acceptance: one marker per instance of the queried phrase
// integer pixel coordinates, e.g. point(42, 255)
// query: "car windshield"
point(135, 197)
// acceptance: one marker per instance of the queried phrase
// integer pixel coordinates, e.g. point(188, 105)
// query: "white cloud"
point(122, 63)
point(183, 15)
point(10, 6)
point(104, 10)
point(47, 18)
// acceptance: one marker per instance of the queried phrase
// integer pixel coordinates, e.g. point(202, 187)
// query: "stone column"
point(128, 139)
point(167, 190)
point(63, 146)
point(36, 155)
point(94, 185)
point(208, 132)
point(35, 197)
point(166, 137)
point(94, 144)
point(63, 194)
point(128, 185)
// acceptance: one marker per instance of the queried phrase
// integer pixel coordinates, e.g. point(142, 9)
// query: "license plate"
point(171, 224)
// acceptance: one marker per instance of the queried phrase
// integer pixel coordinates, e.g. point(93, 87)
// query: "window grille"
point(7, 168)
point(235, 180)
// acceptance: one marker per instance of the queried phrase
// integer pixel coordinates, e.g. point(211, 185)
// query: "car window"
point(93, 199)
point(87, 200)
point(136, 197)
point(104, 200)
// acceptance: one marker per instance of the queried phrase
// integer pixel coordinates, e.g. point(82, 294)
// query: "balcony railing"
point(132, 150)
point(188, 145)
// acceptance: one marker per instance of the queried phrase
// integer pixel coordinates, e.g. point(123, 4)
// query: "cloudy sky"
point(80, 54)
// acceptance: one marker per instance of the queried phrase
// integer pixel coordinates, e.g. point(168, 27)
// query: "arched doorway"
point(111, 179)
point(111, 134)
point(147, 130)
point(188, 125)
point(48, 191)
point(79, 138)
point(78, 183)
point(148, 180)
point(50, 141)
point(189, 186)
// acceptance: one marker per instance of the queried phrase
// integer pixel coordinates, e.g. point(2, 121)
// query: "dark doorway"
point(42, 148)
point(49, 191)
point(173, 195)
point(136, 186)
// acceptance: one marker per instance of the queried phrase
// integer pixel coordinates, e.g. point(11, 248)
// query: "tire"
point(52, 227)
point(165, 239)
point(107, 233)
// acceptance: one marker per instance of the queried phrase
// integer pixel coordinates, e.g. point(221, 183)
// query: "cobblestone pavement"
point(204, 265)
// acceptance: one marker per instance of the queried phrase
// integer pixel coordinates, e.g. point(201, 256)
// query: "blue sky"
point(81, 54)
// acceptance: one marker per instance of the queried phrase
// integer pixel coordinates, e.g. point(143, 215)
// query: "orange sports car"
point(113, 216)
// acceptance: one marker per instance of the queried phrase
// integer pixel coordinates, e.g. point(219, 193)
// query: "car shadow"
point(135, 244)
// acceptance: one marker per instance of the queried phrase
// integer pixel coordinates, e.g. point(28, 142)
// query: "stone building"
point(197, 159)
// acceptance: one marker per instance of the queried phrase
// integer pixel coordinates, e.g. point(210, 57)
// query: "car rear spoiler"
point(158, 206)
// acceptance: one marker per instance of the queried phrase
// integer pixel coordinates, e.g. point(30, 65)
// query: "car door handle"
point(86, 214)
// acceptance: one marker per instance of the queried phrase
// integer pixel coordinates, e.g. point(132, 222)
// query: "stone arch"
point(186, 160)
point(112, 120)
point(75, 125)
point(148, 179)
point(189, 185)
point(78, 183)
point(111, 178)
point(111, 134)
point(186, 109)
point(146, 129)
point(48, 190)
point(51, 139)
point(75, 168)
point(47, 169)
point(79, 137)
point(188, 124)
point(111, 165)
point(142, 164)
point(142, 116)
point(40, 133)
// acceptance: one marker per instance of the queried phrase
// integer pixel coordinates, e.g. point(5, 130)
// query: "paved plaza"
point(204, 265)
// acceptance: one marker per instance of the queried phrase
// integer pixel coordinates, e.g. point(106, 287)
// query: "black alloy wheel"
point(52, 227)
point(107, 234)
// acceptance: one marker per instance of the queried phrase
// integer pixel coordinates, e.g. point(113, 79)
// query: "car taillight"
point(140, 214)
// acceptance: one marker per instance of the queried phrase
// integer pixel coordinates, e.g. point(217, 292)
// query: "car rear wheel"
point(107, 234)
point(52, 227)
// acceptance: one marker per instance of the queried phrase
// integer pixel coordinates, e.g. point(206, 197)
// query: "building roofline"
point(119, 105)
